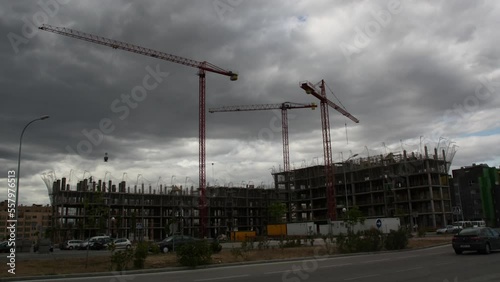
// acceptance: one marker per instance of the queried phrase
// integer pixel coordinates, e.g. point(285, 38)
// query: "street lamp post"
point(19, 164)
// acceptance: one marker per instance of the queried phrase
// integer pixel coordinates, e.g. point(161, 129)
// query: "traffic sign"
point(379, 223)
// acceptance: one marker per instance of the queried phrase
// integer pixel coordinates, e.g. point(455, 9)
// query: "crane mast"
point(327, 146)
point(203, 68)
point(284, 120)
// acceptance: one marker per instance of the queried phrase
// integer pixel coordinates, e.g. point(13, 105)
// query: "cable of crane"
point(335, 96)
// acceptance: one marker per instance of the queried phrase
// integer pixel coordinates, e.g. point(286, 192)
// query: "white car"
point(122, 243)
point(449, 229)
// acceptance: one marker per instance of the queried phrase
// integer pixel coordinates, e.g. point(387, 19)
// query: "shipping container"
point(385, 225)
point(276, 230)
point(300, 229)
point(241, 236)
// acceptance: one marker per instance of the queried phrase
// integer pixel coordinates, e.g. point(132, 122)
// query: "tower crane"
point(202, 67)
point(284, 120)
point(327, 146)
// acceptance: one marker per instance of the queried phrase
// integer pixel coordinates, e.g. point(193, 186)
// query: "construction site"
point(411, 186)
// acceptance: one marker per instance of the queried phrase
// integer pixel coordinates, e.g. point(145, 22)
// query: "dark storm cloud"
point(416, 64)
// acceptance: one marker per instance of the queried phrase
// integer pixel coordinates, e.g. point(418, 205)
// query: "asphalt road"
point(438, 264)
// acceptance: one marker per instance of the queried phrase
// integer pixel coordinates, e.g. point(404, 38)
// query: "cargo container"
point(276, 230)
point(300, 229)
point(241, 236)
point(385, 225)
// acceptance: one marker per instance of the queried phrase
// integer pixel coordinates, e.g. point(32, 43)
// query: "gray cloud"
point(415, 69)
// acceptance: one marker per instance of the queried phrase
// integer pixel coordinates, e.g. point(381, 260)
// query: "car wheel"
point(165, 250)
point(71, 247)
point(458, 252)
point(128, 247)
point(487, 249)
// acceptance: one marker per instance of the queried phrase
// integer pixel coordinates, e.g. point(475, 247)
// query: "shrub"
point(216, 247)
point(121, 259)
point(153, 248)
point(421, 232)
point(396, 240)
point(371, 241)
point(194, 254)
point(262, 243)
point(141, 252)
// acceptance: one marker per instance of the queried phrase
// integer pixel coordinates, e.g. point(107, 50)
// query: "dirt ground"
point(102, 264)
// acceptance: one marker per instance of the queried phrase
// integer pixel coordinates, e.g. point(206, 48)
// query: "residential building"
point(478, 193)
point(32, 222)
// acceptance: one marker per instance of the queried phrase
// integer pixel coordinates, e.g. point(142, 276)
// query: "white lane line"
point(223, 277)
point(376, 260)
point(361, 277)
point(274, 272)
point(335, 265)
point(407, 257)
point(444, 263)
point(408, 269)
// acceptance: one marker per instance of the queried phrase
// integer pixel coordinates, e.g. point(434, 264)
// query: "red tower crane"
point(284, 120)
point(327, 146)
point(202, 67)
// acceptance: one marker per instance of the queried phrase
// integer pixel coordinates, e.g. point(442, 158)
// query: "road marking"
point(408, 269)
point(274, 272)
point(444, 263)
point(361, 277)
point(223, 277)
point(335, 265)
point(408, 257)
point(376, 260)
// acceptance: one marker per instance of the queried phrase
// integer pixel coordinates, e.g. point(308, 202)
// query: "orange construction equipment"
point(327, 146)
point(202, 67)
point(284, 120)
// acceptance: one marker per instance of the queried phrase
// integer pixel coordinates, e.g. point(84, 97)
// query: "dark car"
point(100, 243)
point(173, 242)
point(36, 247)
point(4, 247)
point(480, 239)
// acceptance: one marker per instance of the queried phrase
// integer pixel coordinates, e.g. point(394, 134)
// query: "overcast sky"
point(414, 73)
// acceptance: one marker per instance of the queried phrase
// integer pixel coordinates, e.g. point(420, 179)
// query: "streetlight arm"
point(18, 172)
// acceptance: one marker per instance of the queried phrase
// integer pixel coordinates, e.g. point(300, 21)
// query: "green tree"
point(276, 212)
point(353, 216)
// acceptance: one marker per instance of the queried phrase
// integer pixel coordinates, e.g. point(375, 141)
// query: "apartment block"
point(477, 192)
point(32, 222)
point(413, 187)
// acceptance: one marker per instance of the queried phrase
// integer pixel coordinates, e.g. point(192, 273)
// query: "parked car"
point(122, 243)
point(449, 229)
point(173, 242)
point(37, 246)
point(71, 244)
point(100, 243)
point(84, 244)
point(480, 239)
point(4, 247)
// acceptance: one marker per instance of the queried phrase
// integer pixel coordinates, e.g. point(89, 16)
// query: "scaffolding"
point(413, 187)
point(145, 213)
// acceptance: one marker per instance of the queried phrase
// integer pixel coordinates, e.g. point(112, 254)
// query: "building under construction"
point(412, 187)
point(94, 207)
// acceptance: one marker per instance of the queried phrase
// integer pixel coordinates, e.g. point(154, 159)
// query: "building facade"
point(477, 193)
point(413, 187)
point(145, 213)
point(32, 222)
